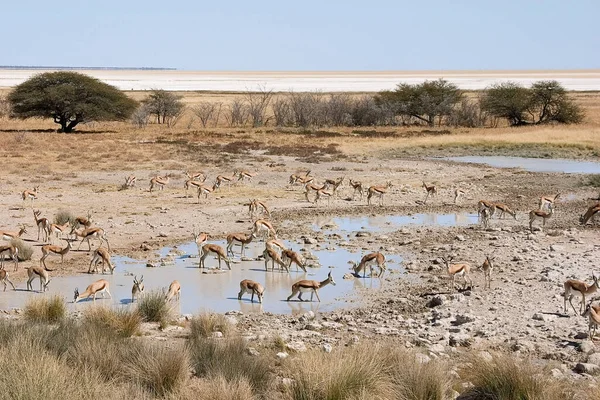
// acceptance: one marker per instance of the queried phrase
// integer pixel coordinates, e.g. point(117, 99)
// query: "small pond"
point(533, 164)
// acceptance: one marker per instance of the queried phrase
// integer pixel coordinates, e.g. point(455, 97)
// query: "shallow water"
point(533, 164)
point(218, 292)
point(390, 223)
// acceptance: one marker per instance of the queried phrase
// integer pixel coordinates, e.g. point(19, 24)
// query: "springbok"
point(13, 252)
point(174, 291)
point(370, 260)
point(53, 249)
point(251, 287)
point(264, 225)
point(100, 286)
point(101, 255)
point(138, 288)
point(38, 272)
point(310, 286)
point(573, 287)
point(378, 191)
point(4, 279)
point(431, 191)
point(272, 255)
point(461, 269)
point(487, 268)
point(217, 250)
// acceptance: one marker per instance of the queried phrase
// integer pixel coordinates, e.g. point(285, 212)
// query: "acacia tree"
point(69, 98)
point(507, 100)
point(166, 106)
point(425, 101)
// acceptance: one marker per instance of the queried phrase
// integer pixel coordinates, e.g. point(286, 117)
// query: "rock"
point(587, 368)
point(581, 335)
point(286, 381)
point(348, 275)
point(594, 358)
point(460, 238)
point(331, 325)
point(386, 331)
point(282, 355)
point(252, 351)
point(309, 240)
point(151, 265)
point(587, 347)
point(544, 317)
point(436, 301)
point(460, 339)
point(296, 346)
point(363, 234)
point(313, 326)
point(556, 373)
point(307, 316)
point(327, 348)
point(422, 358)
point(217, 335)
point(461, 319)
point(437, 348)
point(162, 235)
point(555, 247)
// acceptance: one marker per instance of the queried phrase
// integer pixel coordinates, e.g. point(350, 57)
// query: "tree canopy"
point(69, 98)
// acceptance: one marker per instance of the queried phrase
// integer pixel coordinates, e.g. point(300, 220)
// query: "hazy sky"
point(303, 35)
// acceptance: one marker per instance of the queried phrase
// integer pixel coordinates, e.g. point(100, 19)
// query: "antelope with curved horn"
point(484, 204)
point(485, 217)
point(504, 209)
point(431, 191)
point(272, 243)
point(91, 233)
point(358, 188)
point(58, 230)
point(200, 238)
point(322, 193)
point(12, 251)
point(370, 260)
point(261, 225)
point(289, 256)
point(270, 254)
point(38, 272)
point(574, 287)
point(4, 279)
point(461, 269)
point(309, 187)
point(251, 287)
point(549, 201)
point(216, 250)
point(458, 193)
point(205, 190)
point(378, 191)
point(593, 314)
point(195, 175)
point(313, 287)
point(43, 225)
point(8, 235)
point(159, 182)
point(535, 214)
point(30, 194)
point(334, 184)
point(243, 174)
point(255, 205)
point(590, 214)
point(130, 181)
point(174, 291)
point(487, 268)
point(101, 255)
point(242, 239)
point(99, 287)
point(221, 179)
point(53, 249)
point(138, 288)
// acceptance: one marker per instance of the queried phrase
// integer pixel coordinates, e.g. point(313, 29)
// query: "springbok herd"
point(275, 251)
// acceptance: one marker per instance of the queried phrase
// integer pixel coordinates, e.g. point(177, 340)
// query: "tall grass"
point(64, 216)
point(205, 324)
point(228, 358)
point(219, 388)
point(153, 307)
point(45, 309)
point(510, 378)
point(415, 380)
point(123, 322)
point(25, 250)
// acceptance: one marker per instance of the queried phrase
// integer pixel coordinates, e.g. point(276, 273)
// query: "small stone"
point(162, 235)
point(296, 346)
point(587, 347)
point(282, 355)
point(460, 238)
point(363, 234)
point(436, 301)
point(594, 358)
point(327, 348)
point(587, 368)
point(217, 335)
point(252, 351)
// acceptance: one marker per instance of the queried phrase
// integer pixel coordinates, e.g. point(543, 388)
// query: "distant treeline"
point(63, 68)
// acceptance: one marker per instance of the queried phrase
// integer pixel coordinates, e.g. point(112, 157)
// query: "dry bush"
point(360, 372)
point(25, 249)
point(64, 216)
point(154, 307)
point(228, 358)
point(122, 321)
point(29, 371)
point(45, 309)
point(158, 369)
point(416, 380)
point(218, 388)
point(506, 377)
point(205, 324)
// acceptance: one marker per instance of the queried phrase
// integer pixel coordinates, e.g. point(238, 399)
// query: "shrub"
point(354, 373)
point(154, 307)
point(229, 359)
point(64, 216)
point(205, 324)
point(25, 250)
point(415, 380)
point(122, 321)
point(510, 378)
point(45, 309)
point(158, 369)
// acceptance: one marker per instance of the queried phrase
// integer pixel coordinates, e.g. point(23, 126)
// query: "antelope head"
point(76, 295)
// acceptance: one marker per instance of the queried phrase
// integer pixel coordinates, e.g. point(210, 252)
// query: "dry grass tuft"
point(229, 359)
point(45, 309)
point(218, 388)
point(122, 321)
point(205, 324)
point(63, 216)
point(415, 380)
point(25, 250)
point(154, 307)
point(506, 377)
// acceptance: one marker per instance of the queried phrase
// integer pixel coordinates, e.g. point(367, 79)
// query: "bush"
point(25, 250)
point(205, 324)
point(45, 309)
point(158, 369)
point(228, 358)
point(153, 307)
point(64, 216)
point(510, 378)
point(123, 322)
point(416, 380)
point(354, 373)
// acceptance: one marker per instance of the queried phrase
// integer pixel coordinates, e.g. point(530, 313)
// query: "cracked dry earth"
point(522, 312)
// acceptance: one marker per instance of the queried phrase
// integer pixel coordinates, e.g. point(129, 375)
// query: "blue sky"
point(303, 35)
